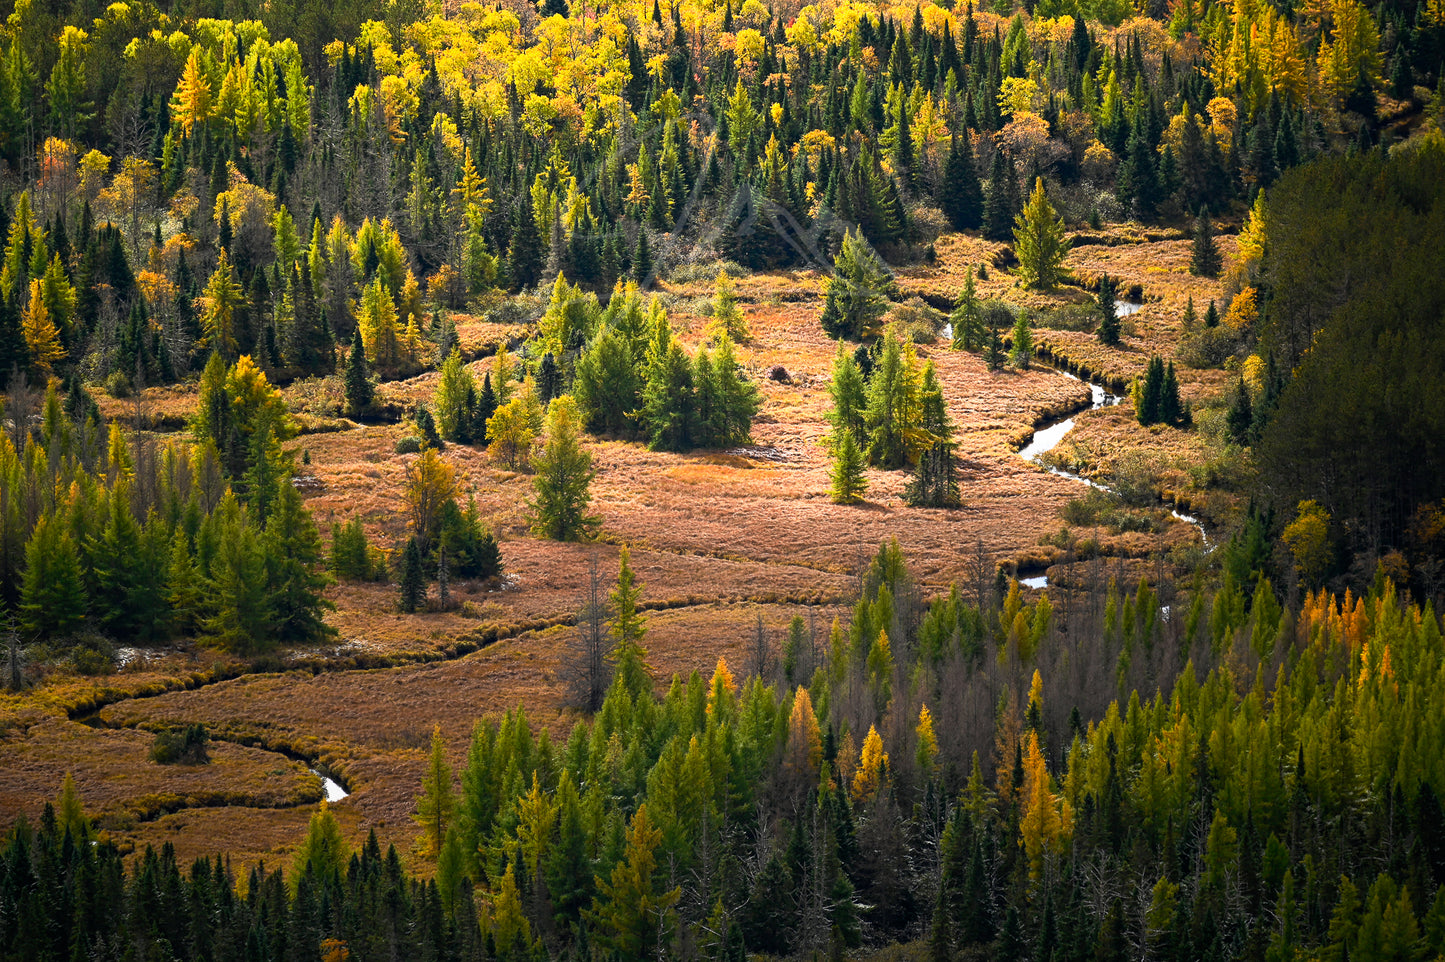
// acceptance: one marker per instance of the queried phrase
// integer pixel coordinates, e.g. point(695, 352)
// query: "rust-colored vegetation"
point(718, 539)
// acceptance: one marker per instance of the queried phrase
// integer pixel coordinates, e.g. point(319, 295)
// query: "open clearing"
point(718, 539)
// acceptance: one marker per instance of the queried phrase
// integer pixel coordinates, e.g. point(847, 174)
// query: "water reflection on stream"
point(334, 792)
point(1048, 436)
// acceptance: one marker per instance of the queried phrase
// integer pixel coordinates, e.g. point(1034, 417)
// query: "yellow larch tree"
point(430, 483)
point(804, 750)
point(536, 817)
point(1047, 820)
point(872, 767)
point(927, 754)
point(1352, 49)
point(40, 334)
point(435, 807)
point(377, 321)
point(191, 106)
point(508, 923)
point(218, 308)
point(722, 692)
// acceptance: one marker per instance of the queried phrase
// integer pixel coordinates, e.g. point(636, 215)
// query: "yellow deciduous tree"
point(629, 907)
point(536, 817)
point(430, 483)
point(40, 334)
point(1352, 51)
point(927, 754)
point(218, 309)
point(805, 745)
point(1047, 821)
point(1308, 537)
point(1243, 311)
point(377, 321)
point(191, 106)
point(129, 196)
point(722, 691)
point(510, 433)
point(872, 767)
point(509, 926)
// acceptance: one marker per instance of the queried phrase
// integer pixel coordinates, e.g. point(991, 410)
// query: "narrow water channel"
point(334, 792)
point(1048, 436)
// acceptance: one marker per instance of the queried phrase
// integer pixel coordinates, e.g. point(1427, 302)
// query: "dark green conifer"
point(1205, 260)
point(413, 579)
point(359, 389)
point(524, 253)
point(642, 260)
point(1108, 311)
point(959, 194)
point(998, 210)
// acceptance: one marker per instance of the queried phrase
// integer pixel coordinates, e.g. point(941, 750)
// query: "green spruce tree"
point(359, 389)
point(563, 478)
point(1108, 312)
point(642, 260)
point(857, 291)
point(1022, 353)
point(292, 547)
point(628, 628)
point(413, 579)
point(969, 333)
point(847, 484)
point(1204, 260)
point(1039, 241)
point(960, 195)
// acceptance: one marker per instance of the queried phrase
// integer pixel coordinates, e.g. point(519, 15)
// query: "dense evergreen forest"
point(1279, 798)
point(1245, 764)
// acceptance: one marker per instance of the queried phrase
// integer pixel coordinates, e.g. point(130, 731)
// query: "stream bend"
point(1051, 433)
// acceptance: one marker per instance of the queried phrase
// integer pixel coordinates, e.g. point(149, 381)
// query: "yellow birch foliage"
point(1308, 538)
point(1243, 311)
point(510, 433)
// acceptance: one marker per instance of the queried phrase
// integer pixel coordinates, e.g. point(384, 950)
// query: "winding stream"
point(334, 792)
point(1048, 436)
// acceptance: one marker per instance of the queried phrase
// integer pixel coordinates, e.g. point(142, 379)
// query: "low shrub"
point(118, 385)
point(185, 746)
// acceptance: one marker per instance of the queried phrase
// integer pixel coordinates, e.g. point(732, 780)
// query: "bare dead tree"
point(762, 656)
point(17, 677)
point(814, 661)
point(444, 595)
point(586, 666)
point(24, 404)
point(980, 572)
